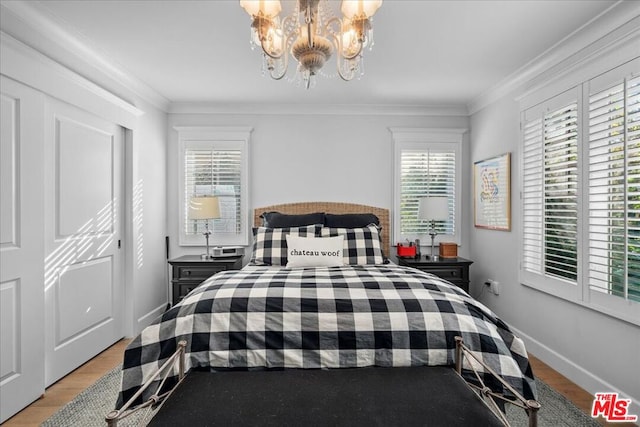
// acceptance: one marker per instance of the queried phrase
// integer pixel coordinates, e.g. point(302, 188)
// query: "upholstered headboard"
point(333, 208)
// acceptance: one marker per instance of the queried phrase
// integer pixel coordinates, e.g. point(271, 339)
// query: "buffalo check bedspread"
point(331, 317)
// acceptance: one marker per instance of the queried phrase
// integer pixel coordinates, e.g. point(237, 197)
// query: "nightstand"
point(455, 270)
point(190, 270)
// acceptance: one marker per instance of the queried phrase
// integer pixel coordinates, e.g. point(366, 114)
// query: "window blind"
point(212, 172)
point(614, 189)
point(532, 207)
point(428, 172)
point(549, 197)
point(560, 192)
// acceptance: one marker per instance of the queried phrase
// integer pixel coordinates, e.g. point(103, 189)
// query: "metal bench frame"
point(491, 399)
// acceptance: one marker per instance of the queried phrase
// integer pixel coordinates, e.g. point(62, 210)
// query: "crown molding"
point(618, 23)
point(24, 64)
point(318, 109)
point(34, 25)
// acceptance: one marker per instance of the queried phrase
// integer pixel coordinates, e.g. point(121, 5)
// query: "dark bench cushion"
point(433, 396)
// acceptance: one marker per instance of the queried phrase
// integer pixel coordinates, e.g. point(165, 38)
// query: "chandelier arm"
point(266, 51)
point(339, 61)
point(355, 55)
point(284, 70)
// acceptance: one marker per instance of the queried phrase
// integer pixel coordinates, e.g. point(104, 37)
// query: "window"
point(427, 163)
point(550, 180)
point(581, 193)
point(614, 189)
point(214, 162)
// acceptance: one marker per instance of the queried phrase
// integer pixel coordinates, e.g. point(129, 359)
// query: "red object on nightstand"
point(406, 251)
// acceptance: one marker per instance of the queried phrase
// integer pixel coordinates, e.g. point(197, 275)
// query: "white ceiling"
point(426, 53)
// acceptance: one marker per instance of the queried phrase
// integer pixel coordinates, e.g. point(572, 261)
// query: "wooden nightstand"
point(190, 270)
point(455, 270)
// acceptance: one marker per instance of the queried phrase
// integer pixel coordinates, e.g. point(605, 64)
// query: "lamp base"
point(205, 256)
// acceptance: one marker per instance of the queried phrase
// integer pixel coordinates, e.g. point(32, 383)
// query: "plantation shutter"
point(549, 196)
point(532, 207)
point(427, 172)
point(560, 192)
point(614, 189)
point(214, 172)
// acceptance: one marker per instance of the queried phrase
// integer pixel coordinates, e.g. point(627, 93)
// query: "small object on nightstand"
point(408, 251)
point(448, 250)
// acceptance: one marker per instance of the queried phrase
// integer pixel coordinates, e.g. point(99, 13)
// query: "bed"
point(290, 309)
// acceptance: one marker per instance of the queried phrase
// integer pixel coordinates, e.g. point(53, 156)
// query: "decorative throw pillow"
point(361, 245)
point(355, 220)
point(314, 251)
point(280, 220)
point(270, 244)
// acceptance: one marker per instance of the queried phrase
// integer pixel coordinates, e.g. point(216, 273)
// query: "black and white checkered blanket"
point(332, 317)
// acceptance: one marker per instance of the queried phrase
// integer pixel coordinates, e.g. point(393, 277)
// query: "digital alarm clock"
point(222, 251)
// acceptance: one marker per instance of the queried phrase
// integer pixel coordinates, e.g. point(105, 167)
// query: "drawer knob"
point(187, 272)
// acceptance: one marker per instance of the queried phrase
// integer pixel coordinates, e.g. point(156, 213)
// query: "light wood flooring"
point(70, 386)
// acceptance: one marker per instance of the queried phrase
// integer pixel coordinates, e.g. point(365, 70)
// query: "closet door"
point(21, 247)
point(83, 275)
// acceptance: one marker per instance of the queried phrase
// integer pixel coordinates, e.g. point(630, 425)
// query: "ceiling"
point(426, 53)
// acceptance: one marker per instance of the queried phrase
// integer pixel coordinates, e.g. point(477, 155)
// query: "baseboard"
point(580, 376)
point(148, 318)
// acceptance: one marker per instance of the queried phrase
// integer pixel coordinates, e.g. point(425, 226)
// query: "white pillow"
point(314, 251)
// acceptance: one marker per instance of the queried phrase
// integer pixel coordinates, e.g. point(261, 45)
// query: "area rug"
point(91, 406)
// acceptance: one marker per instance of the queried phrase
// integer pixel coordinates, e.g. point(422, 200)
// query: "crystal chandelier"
point(311, 33)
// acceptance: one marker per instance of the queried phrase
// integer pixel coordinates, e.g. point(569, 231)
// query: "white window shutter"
point(427, 172)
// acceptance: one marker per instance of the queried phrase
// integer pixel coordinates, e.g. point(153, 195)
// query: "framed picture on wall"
point(492, 193)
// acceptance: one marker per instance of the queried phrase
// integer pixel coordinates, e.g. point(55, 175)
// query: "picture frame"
point(492, 193)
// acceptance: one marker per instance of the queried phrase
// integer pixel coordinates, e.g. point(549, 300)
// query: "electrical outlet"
point(494, 286)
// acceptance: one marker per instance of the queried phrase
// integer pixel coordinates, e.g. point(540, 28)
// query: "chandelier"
point(312, 33)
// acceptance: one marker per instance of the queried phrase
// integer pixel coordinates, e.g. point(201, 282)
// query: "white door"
point(83, 277)
point(21, 247)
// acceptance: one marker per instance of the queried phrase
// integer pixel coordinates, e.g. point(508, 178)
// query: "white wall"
point(598, 352)
point(310, 157)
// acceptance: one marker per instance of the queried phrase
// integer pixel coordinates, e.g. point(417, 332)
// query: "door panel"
point(83, 267)
point(21, 247)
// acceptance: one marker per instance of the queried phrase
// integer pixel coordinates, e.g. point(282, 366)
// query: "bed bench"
point(434, 396)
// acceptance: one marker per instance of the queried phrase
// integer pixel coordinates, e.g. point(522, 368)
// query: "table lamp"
point(205, 207)
point(433, 208)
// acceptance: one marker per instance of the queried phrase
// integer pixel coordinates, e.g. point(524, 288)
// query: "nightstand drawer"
point(185, 288)
point(447, 273)
point(455, 270)
point(197, 272)
point(189, 271)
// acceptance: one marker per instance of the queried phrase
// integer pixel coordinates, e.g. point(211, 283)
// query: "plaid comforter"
point(335, 317)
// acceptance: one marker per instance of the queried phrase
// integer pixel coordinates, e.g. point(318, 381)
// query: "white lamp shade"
point(270, 8)
point(204, 208)
point(357, 8)
point(433, 208)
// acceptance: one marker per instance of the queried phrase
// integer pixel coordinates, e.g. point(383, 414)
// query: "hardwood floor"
point(580, 397)
point(67, 388)
point(70, 386)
